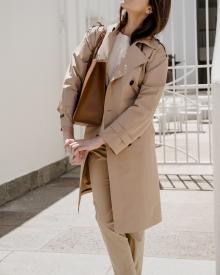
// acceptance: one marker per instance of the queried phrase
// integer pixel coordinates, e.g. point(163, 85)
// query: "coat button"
point(131, 82)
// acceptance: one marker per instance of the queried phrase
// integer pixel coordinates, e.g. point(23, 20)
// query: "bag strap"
point(99, 40)
point(98, 43)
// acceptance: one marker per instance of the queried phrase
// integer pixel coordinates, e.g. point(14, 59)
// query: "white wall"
point(34, 50)
point(30, 78)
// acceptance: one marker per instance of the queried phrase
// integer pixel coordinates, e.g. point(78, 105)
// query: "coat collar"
point(134, 56)
point(151, 42)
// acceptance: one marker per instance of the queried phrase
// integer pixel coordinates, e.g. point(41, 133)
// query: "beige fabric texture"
point(126, 250)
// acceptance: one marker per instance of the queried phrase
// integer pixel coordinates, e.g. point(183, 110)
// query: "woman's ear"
point(149, 10)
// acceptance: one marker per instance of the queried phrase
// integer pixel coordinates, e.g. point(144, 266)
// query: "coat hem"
point(144, 227)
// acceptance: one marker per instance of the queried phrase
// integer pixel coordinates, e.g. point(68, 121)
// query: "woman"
point(118, 161)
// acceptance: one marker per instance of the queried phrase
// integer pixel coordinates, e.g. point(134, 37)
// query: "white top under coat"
point(119, 49)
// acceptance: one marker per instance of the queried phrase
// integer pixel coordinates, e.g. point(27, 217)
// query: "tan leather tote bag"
point(90, 102)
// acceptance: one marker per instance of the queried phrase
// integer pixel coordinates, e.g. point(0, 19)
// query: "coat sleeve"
point(75, 75)
point(136, 119)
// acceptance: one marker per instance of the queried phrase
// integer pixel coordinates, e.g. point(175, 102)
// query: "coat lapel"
point(134, 56)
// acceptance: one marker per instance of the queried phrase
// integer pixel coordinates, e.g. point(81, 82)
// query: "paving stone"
point(184, 182)
point(74, 173)
point(184, 177)
point(164, 266)
point(166, 184)
point(180, 244)
point(38, 263)
point(78, 240)
point(178, 184)
point(22, 238)
point(41, 198)
point(172, 177)
point(159, 243)
point(192, 185)
point(4, 254)
point(14, 217)
point(43, 233)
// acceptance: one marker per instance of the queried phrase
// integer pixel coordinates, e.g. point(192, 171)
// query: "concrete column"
point(215, 79)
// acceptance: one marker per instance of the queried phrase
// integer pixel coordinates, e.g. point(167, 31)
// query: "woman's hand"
point(77, 158)
point(73, 159)
point(77, 145)
point(78, 148)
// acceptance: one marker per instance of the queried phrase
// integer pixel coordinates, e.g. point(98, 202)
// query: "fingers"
point(74, 160)
point(82, 148)
point(77, 158)
point(70, 145)
point(67, 143)
point(76, 146)
point(68, 140)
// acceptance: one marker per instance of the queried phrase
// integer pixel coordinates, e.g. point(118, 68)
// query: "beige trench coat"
point(132, 96)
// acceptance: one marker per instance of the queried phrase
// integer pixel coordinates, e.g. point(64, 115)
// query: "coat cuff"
point(65, 122)
point(116, 137)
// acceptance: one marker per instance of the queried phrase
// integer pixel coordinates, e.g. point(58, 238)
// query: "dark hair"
point(154, 23)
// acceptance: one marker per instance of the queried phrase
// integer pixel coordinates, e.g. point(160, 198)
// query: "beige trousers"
point(125, 250)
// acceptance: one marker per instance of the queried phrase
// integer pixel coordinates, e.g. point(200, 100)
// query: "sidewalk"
point(42, 233)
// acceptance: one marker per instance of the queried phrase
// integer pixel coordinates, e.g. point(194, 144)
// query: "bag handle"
point(98, 43)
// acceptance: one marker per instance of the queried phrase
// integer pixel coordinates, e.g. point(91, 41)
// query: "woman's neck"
point(134, 21)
